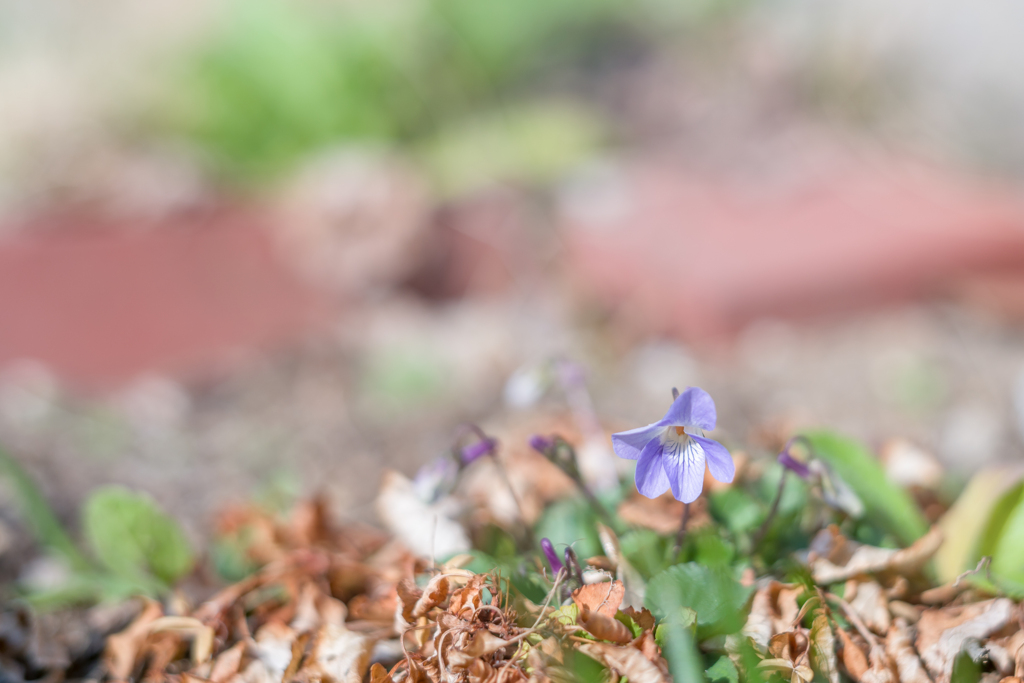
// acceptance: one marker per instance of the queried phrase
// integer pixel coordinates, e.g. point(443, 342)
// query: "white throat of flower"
point(677, 437)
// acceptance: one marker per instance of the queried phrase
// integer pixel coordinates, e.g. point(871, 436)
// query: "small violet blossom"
point(541, 444)
point(795, 466)
point(671, 452)
point(549, 552)
point(477, 450)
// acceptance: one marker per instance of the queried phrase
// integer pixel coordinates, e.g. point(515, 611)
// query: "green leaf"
point(1008, 553)
point(716, 597)
point(133, 538)
point(570, 522)
point(974, 523)
point(886, 504)
point(648, 552)
point(723, 671)
point(38, 514)
point(736, 509)
point(676, 639)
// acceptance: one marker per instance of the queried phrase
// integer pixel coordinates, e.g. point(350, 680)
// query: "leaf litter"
point(457, 590)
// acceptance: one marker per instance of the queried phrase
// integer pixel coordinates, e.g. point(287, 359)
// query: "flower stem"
point(681, 534)
point(763, 530)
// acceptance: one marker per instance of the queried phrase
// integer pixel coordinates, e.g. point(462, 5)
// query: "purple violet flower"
point(475, 451)
point(549, 552)
point(795, 466)
point(541, 444)
point(672, 451)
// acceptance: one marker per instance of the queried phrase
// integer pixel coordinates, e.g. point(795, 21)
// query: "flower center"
point(679, 431)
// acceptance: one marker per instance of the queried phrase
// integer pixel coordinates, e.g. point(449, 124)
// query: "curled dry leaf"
point(879, 668)
point(273, 648)
point(872, 607)
point(408, 595)
point(227, 663)
point(603, 627)
point(797, 673)
point(626, 661)
point(123, 648)
point(433, 595)
point(773, 610)
point(378, 674)
point(633, 583)
point(604, 598)
point(902, 653)
point(479, 644)
point(822, 649)
point(853, 658)
point(200, 633)
point(469, 597)
point(338, 655)
point(941, 632)
point(838, 559)
point(642, 618)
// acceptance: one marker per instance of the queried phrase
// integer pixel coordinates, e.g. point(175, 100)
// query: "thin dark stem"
point(681, 534)
point(759, 536)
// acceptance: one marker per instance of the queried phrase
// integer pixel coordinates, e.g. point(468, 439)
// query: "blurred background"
point(258, 248)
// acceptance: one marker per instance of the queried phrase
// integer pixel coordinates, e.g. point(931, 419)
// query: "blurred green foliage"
point(134, 547)
point(276, 81)
point(887, 505)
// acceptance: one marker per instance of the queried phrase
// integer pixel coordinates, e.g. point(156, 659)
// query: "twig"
point(854, 619)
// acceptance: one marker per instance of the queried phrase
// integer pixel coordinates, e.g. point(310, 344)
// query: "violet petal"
point(694, 407)
point(549, 552)
point(719, 460)
point(651, 479)
point(629, 444)
point(793, 465)
point(477, 450)
point(684, 464)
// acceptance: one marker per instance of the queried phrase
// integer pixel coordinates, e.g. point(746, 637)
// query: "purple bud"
point(795, 466)
point(541, 444)
point(478, 450)
point(549, 552)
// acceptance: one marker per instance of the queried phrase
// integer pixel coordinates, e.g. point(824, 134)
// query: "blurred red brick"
point(673, 252)
point(100, 303)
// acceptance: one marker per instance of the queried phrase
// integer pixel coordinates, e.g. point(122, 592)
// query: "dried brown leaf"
point(871, 606)
point(123, 648)
point(854, 659)
point(273, 647)
point(378, 674)
point(200, 634)
point(603, 627)
point(942, 632)
point(902, 653)
point(879, 668)
point(227, 663)
point(604, 598)
point(854, 559)
point(642, 618)
point(773, 610)
point(338, 655)
point(433, 595)
point(409, 594)
point(822, 649)
point(478, 644)
point(469, 597)
point(625, 661)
